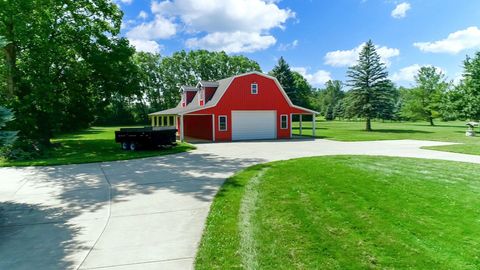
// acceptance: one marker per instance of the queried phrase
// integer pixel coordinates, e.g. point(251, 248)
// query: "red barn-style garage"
point(250, 106)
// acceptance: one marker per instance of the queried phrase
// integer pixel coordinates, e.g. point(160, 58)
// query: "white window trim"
point(281, 121)
point(219, 123)
point(251, 89)
point(201, 97)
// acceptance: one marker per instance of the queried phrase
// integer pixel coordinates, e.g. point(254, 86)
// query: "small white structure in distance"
point(471, 129)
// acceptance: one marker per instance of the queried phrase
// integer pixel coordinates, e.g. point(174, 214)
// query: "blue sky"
point(320, 39)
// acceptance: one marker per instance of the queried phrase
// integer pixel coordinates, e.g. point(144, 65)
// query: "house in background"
point(250, 106)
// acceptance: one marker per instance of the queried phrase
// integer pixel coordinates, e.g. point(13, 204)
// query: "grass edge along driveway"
point(346, 212)
point(354, 131)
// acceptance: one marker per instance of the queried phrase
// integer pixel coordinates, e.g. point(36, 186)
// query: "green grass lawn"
point(95, 144)
point(346, 212)
point(354, 131)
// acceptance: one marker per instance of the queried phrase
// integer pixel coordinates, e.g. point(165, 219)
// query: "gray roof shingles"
point(194, 105)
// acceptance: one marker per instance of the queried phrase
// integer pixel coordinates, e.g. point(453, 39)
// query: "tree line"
point(64, 66)
point(369, 93)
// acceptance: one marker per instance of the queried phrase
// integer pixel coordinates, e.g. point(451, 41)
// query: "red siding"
point(239, 97)
point(198, 126)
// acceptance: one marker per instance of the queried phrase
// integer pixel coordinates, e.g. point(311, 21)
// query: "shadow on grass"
point(310, 128)
point(79, 134)
point(399, 131)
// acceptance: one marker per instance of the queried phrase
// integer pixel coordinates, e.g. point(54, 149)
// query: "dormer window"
point(254, 88)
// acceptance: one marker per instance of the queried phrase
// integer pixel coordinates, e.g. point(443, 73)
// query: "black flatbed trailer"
point(146, 137)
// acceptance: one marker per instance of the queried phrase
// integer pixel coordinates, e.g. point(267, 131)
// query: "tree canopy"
point(160, 78)
point(64, 60)
point(295, 85)
point(469, 88)
point(424, 101)
point(330, 98)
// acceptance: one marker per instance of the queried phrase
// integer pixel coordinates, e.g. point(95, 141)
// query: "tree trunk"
point(11, 60)
point(368, 124)
point(430, 119)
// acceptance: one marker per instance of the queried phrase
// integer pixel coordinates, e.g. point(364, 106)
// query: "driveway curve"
point(144, 213)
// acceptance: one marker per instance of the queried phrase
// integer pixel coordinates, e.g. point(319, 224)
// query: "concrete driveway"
point(145, 213)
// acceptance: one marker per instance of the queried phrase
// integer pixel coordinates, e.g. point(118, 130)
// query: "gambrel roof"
point(222, 87)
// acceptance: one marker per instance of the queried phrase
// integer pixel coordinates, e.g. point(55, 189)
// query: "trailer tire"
point(133, 146)
point(125, 146)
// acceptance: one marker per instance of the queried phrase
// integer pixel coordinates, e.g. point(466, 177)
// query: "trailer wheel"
point(133, 146)
point(125, 146)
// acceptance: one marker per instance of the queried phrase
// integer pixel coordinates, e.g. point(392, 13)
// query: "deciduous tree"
point(303, 90)
point(64, 61)
point(424, 101)
point(329, 99)
point(469, 88)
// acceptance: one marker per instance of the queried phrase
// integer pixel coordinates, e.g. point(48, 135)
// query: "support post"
point(291, 125)
point(300, 125)
point(182, 138)
point(213, 127)
point(313, 125)
point(152, 118)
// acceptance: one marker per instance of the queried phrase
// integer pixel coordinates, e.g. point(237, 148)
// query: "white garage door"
point(254, 125)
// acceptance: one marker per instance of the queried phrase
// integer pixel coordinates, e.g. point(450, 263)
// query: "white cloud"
point(400, 10)
point(128, 2)
point(143, 15)
point(407, 74)
point(232, 42)
point(317, 79)
point(225, 15)
point(455, 42)
point(127, 24)
point(150, 46)
point(288, 46)
point(230, 25)
point(348, 58)
point(159, 28)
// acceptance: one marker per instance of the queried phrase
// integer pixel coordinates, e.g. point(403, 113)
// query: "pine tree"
point(285, 76)
point(6, 137)
point(370, 91)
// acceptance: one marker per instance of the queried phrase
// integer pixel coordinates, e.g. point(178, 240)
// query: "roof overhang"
point(207, 84)
point(305, 109)
point(188, 88)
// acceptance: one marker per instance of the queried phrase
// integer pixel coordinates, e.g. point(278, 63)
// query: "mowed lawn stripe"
point(248, 207)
